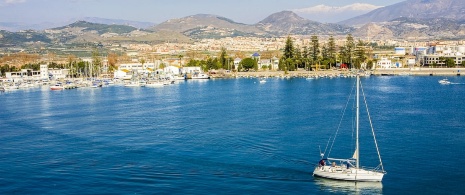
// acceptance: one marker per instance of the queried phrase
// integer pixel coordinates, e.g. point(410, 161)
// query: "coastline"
point(378, 72)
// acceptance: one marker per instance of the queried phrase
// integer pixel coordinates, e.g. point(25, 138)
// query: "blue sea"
point(230, 136)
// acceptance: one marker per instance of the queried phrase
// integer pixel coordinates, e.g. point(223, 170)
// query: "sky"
point(158, 11)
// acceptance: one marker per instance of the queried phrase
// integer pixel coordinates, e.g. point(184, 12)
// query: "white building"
point(24, 74)
point(125, 71)
point(191, 70)
point(384, 63)
point(58, 73)
point(43, 73)
point(174, 70)
point(266, 63)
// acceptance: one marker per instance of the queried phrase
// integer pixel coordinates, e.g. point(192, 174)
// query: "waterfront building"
point(44, 73)
point(384, 63)
point(265, 63)
point(24, 74)
point(438, 54)
point(191, 69)
point(56, 73)
point(439, 59)
point(275, 63)
point(125, 71)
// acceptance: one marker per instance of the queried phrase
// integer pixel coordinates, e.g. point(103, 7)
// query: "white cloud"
point(335, 9)
point(9, 2)
point(13, 1)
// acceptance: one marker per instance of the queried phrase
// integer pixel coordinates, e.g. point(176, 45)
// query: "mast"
point(357, 157)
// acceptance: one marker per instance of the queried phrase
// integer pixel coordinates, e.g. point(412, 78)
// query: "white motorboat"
point(349, 169)
point(132, 84)
point(198, 75)
point(154, 84)
point(444, 81)
point(57, 86)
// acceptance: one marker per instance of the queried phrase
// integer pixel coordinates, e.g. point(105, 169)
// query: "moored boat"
point(199, 75)
point(57, 86)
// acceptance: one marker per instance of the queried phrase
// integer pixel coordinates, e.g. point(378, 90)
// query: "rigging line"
point(340, 123)
point(354, 123)
point(372, 129)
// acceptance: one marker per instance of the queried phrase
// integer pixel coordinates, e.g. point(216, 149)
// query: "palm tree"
point(180, 60)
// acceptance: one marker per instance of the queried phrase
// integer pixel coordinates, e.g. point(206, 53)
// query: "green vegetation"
point(101, 28)
point(324, 56)
point(19, 38)
point(248, 63)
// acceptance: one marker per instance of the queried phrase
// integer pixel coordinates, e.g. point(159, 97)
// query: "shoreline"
point(377, 72)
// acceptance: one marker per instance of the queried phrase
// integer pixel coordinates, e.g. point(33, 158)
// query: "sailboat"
point(349, 169)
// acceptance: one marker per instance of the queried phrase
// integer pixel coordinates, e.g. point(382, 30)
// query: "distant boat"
point(132, 84)
point(154, 84)
point(57, 86)
point(444, 81)
point(199, 75)
point(350, 169)
point(262, 80)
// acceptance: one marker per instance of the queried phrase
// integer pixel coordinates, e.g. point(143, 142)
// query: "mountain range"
point(417, 9)
point(411, 19)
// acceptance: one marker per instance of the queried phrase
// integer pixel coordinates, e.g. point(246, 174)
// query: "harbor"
point(235, 135)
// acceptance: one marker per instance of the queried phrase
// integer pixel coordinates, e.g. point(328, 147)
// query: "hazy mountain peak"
point(287, 16)
point(453, 9)
point(288, 22)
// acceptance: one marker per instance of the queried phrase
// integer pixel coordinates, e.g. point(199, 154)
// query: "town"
point(399, 57)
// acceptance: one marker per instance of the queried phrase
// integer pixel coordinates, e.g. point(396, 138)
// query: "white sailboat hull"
point(351, 174)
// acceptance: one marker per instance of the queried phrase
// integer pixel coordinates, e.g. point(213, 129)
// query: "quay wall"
point(377, 72)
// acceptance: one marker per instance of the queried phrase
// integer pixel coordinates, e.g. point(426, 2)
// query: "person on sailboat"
point(322, 163)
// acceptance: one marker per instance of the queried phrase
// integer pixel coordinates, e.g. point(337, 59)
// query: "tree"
point(248, 63)
point(112, 60)
point(289, 49)
point(442, 60)
point(3, 69)
point(450, 62)
point(180, 60)
point(223, 59)
point(288, 56)
point(299, 62)
point(331, 50)
point(96, 63)
point(348, 50)
point(325, 56)
point(314, 49)
point(360, 54)
point(305, 57)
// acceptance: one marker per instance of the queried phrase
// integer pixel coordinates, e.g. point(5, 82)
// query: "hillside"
point(98, 28)
point(135, 24)
point(24, 37)
point(287, 22)
point(208, 26)
point(419, 9)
